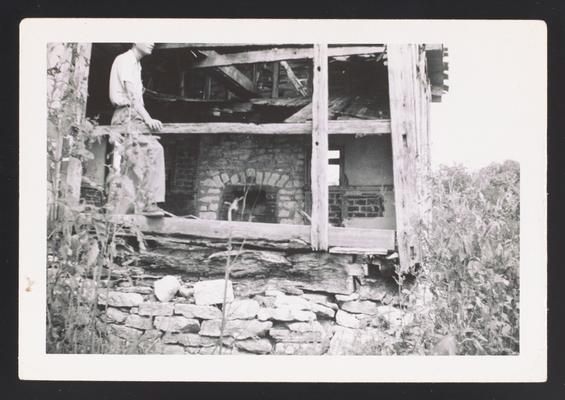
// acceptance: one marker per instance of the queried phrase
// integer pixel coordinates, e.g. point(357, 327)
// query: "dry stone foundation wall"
point(296, 314)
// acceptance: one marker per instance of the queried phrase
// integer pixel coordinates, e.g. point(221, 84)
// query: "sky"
point(493, 103)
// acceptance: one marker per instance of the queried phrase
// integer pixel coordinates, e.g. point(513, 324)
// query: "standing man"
point(144, 161)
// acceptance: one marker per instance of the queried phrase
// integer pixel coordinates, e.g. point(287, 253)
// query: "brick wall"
point(273, 162)
point(181, 160)
point(357, 202)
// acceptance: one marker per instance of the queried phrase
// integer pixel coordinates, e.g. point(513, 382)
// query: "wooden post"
point(208, 87)
point(409, 97)
point(276, 70)
point(319, 227)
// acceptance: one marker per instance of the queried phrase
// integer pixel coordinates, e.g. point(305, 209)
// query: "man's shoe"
point(153, 211)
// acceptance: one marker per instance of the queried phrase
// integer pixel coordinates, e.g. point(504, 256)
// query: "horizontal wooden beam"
point(212, 229)
point(353, 127)
point(282, 54)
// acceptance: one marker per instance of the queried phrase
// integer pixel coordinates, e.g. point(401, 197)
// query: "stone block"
point(198, 311)
point(135, 321)
point(153, 308)
point(208, 199)
point(265, 301)
point(242, 309)
point(149, 342)
point(259, 178)
point(166, 288)
point(286, 335)
point(213, 207)
point(119, 299)
point(234, 179)
point(172, 349)
point(347, 341)
point(224, 177)
point(282, 181)
point(212, 292)
point(323, 311)
point(347, 297)
point(176, 324)
point(285, 314)
point(239, 329)
point(256, 346)
point(297, 302)
point(137, 289)
point(313, 349)
point(360, 307)
point(273, 179)
point(192, 339)
point(368, 292)
point(217, 181)
point(124, 332)
point(186, 291)
point(116, 315)
point(347, 320)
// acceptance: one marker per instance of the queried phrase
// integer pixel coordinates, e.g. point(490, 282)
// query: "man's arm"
point(154, 124)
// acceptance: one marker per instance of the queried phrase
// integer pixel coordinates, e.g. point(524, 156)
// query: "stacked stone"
point(176, 318)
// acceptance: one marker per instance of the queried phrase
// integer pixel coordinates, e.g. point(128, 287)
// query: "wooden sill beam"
point(354, 127)
point(282, 54)
point(338, 237)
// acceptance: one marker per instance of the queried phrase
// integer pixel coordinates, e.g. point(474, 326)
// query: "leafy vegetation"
point(471, 267)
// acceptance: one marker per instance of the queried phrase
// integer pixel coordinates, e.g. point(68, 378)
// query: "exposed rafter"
point(234, 79)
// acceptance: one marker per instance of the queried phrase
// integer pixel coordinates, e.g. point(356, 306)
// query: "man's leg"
point(153, 182)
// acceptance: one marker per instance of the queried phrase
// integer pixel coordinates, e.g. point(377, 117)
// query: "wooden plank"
point(359, 251)
point(407, 109)
point(234, 79)
point(213, 229)
point(319, 162)
point(362, 127)
point(280, 54)
point(294, 79)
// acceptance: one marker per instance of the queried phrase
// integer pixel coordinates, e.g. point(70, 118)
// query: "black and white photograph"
point(261, 200)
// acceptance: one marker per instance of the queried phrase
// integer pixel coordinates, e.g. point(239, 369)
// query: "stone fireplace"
point(269, 171)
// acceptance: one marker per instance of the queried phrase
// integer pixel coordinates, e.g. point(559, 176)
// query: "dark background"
point(11, 13)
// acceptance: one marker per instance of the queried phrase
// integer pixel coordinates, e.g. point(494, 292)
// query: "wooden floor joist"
point(337, 236)
point(355, 127)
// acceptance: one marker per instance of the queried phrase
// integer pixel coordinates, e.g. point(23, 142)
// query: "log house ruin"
point(328, 143)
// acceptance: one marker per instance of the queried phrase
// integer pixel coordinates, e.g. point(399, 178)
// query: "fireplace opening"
point(259, 203)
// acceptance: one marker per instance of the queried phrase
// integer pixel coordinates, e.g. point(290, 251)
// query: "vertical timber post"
point(319, 227)
point(409, 102)
point(71, 61)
